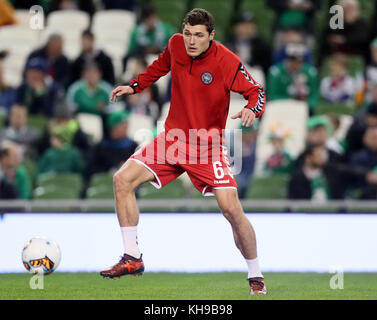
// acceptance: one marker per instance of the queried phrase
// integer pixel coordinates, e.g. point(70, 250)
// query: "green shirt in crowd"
point(141, 37)
point(320, 188)
point(279, 163)
point(23, 183)
point(302, 85)
point(63, 160)
point(89, 100)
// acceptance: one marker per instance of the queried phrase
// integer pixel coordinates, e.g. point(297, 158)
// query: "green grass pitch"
point(187, 286)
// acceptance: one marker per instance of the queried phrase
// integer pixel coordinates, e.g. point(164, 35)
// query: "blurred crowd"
point(335, 77)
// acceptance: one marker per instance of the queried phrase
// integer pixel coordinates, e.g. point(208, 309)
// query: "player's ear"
point(212, 35)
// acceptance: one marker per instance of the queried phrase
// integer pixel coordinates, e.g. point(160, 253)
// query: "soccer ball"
point(41, 255)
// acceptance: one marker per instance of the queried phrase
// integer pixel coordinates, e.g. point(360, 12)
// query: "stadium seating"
point(269, 187)
point(264, 17)
point(174, 190)
point(112, 29)
point(58, 186)
point(54, 192)
point(69, 180)
point(140, 128)
point(71, 40)
point(290, 114)
point(91, 124)
point(367, 9)
point(23, 17)
point(18, 41)
point(68, 19)
point(171, 12)
point(70, 24)
point(100, 187)
point(355, 63)
point(334, 108)
point(222, 11)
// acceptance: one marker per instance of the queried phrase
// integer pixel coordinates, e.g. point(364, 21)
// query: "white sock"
point(253, 268)
point(130, 244)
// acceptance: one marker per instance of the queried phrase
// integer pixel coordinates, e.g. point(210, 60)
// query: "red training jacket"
point(201, 86)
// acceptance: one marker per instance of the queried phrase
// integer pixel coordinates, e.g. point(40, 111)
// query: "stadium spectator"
point(7, 190)
point(12, 172)
point(309, 181)
point(319, 131)
point(336, 140)
point(279, 161)
point(367, 156)
point(90, 54)
point(19, 132)
point(292, 35)
point(247, 44)
point(293, 79)
point(61, 157)
point(365, 161)
point(57, 64)
point(151, 35)
point(353, 38)
point(111, 153)
point(354, 136)
point(37, 92)
point(147, 102)
point(298, 14)
point(339, 86)
point(370, 191)
point(79, 139)
point(7, 93)
point(249, 142)
point(89, 94)
point(319, 178)
point(371, 72)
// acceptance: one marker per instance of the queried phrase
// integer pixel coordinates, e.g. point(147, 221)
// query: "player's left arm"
point(240, 81)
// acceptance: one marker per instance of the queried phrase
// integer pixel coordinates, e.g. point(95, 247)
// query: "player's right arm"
point(119, 91)
point(159, 68)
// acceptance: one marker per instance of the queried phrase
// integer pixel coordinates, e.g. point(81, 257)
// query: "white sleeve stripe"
point(261, 99)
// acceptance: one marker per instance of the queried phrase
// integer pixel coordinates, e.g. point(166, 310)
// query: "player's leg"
point(131, 175)
point(243, 233)
point(126, 180)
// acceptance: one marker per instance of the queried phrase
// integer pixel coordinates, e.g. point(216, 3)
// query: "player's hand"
point(247, 117)
point(118, 91)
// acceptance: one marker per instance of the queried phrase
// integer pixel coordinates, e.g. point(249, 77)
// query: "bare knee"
point(233, 212)
point(122, 182)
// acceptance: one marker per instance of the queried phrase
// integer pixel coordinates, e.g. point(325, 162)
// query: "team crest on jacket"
point(207, 78)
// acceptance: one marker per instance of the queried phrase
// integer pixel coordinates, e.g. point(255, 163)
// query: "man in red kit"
point(203, 75)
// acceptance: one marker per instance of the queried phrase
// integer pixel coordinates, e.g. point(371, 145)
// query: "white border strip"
point(157, 186)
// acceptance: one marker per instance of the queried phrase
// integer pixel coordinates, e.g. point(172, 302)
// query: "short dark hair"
point(147, 11)
point(372, 109)
point(200, 16)
point(87, 33)
point(310, 149)
point(4, 152)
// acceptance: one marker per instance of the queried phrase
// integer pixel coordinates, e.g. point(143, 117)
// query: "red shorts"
point(167, 160)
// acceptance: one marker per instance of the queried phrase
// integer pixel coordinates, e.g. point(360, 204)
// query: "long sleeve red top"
point(201, 86)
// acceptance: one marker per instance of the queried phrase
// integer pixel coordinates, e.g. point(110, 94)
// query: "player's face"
point(196, 39)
